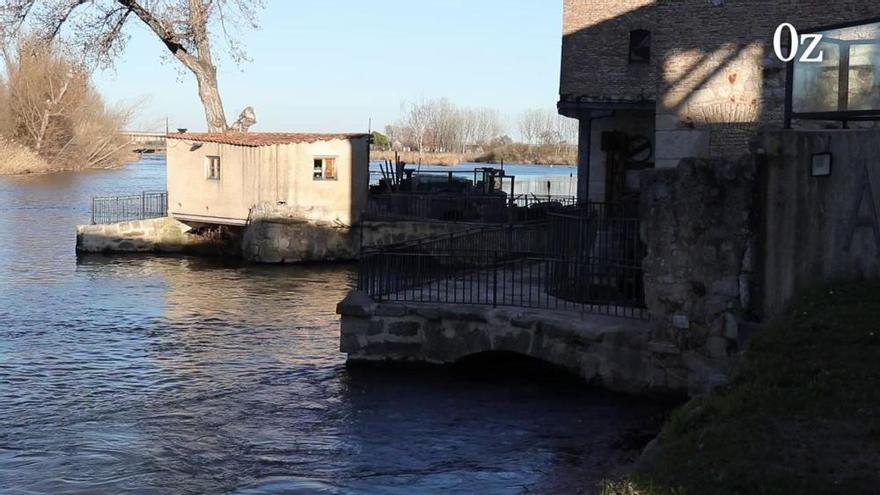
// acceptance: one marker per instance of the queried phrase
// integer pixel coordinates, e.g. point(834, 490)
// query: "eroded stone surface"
point(608, 351)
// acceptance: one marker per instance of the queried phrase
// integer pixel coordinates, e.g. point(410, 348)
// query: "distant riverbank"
point(16, 159)
point(512, 153)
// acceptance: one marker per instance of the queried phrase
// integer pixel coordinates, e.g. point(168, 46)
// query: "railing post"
point(93, 210)
point(495, 283)
point(143, 214)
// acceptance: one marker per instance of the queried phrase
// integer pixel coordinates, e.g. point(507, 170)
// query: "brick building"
point(652, 82)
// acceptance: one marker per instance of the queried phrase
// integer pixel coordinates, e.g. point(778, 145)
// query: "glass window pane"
point(864, 77)
point(815, 87)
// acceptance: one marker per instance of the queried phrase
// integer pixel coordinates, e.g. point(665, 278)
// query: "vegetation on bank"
point(507, 153)
point(52, 118)
point(803, 416)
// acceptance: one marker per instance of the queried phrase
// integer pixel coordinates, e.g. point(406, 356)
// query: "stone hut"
point(220, 178)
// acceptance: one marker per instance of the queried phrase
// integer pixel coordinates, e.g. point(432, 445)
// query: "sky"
point(332, 65)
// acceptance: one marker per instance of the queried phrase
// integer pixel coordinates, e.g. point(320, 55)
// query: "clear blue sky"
point(331, 65)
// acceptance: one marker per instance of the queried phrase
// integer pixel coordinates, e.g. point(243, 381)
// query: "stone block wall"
point(155, 235)
point(698, 227)
point(610, 352)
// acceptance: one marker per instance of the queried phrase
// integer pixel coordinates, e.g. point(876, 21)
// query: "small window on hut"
point(212, 167)
point(324, 169)
point(640, 46)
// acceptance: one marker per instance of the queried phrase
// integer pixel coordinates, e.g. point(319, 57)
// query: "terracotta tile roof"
point(261, 138)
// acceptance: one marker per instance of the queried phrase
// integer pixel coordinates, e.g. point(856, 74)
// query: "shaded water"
point(174, 375)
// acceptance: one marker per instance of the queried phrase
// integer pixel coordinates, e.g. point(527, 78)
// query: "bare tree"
point(567, 129)
point(185, 28)
point(444, 124)
point(43, 89)
point(416, 118)
point(540, 126)
point(488, 127)
point(53, 110)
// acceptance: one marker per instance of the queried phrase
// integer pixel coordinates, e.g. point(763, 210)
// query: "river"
point(178, 375)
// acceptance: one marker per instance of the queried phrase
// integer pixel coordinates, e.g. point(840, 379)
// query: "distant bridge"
point(145, 142)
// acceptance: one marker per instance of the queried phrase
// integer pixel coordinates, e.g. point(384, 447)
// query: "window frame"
point(840, 115)
point(210, 161)
point(334, 168)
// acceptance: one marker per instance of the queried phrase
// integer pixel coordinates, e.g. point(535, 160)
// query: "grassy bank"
point(512, 153)
point(802, 417)
point(16, 159)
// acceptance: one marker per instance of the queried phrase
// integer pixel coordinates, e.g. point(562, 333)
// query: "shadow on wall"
point(714, 85)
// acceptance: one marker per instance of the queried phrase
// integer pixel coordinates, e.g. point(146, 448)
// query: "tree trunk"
point(210, 96)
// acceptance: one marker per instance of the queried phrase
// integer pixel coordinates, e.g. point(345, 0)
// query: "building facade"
point(652, 82)
point(220, 178)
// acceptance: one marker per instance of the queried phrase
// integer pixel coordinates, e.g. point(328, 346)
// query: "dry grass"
point(803, 417)
point(413, 157)
point(16, 159)
point(510, 153)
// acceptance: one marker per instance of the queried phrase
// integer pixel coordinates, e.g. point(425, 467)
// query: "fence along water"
point(586, 259)
point(114, 209)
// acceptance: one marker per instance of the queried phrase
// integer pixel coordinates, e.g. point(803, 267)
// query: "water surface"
point(168, 375)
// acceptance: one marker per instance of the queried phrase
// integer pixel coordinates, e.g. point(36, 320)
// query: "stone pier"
point(156, 235)
point(610, 352)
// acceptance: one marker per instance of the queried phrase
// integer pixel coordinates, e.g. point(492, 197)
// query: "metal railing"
point(114, 209)
point(484, 208)
point(585, 259)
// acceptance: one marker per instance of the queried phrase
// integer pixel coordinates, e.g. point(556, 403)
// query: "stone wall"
point(698, 227)
point(817, 229)
point(613, 353)
point(280, 234)
point(379, 233)
point(155, 235)
point(289, 240)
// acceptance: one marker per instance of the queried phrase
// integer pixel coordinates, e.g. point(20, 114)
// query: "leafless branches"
point(51, 109)
point(97, 29)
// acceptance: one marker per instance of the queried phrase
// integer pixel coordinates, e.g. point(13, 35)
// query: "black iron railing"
point(483, 208)
point(584, 259)
point(130, 207)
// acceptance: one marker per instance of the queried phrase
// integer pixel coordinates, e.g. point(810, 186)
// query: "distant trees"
point(97, 28)
point(440, 126)
point(546, 127)
point(380, 140)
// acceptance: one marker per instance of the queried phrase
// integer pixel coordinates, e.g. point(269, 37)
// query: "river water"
point(176, 375)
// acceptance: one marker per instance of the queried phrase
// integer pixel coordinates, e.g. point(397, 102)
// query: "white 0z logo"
point(810, 40)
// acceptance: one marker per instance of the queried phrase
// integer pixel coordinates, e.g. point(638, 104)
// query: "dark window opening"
point(212, 168)
point(640, 46)
point(324, 169)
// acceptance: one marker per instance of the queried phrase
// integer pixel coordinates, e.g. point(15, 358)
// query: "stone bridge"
point(611, 352)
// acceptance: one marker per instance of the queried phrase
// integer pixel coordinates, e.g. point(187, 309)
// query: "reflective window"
point(846, 82)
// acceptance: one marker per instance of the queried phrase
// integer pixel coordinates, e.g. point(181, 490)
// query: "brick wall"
point(716, 69)
point(713, 72)
point(595, 50)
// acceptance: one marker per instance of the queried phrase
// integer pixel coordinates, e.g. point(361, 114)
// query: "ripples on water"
point(144, 374)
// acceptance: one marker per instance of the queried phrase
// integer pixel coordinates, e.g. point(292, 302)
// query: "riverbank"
point(802, 417)
point(512, 153)
point(16, 159)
